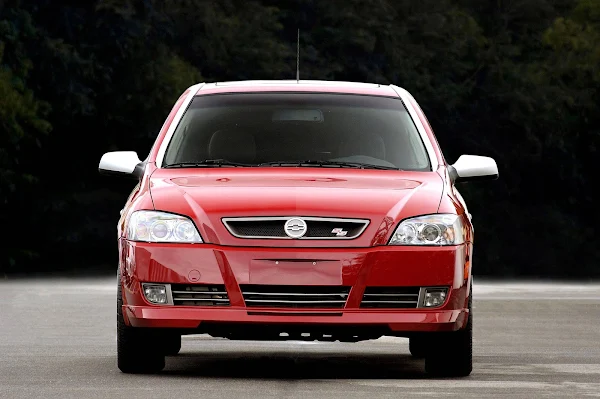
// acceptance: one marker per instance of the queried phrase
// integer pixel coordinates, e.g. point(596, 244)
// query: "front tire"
point(418, 347)
point(451, 355)
point(135, 345)
point(172, 344)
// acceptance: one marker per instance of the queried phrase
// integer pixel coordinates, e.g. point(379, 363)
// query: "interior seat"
point(368, 145)
point(232, 144)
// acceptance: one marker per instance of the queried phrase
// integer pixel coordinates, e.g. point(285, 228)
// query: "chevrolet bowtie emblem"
point(295, 228)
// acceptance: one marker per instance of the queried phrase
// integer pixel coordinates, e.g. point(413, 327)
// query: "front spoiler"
point(397, 321)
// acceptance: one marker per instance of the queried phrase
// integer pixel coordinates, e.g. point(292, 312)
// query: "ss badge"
point(339, 232)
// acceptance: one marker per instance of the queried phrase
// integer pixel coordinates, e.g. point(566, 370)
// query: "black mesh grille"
point(258, 228)
point(199, 295)
point(390, 297)
point(295, 296)
point(328, 229)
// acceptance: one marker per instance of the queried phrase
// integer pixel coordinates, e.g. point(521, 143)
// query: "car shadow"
point(292, 365)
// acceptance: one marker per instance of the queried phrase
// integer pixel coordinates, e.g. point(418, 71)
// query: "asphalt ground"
point(58, 340)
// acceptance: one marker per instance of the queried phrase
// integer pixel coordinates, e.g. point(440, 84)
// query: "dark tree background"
point(517, 80)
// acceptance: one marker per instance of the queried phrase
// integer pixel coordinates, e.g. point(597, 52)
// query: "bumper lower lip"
point(397, 321)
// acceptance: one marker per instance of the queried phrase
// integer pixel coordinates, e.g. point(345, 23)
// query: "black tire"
point(418, 346)
point(135, 345)
point(172, 344)
point(451, 354)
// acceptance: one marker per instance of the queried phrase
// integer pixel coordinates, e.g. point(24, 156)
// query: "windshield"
point(297, 129)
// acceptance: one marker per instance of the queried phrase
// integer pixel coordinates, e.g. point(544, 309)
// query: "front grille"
point(390, 297)
point(199, 295)
point(316, 228)
point(295, 296)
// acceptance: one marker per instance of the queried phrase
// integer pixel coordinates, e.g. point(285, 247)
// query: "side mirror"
point(473, 167)
point(124, 163)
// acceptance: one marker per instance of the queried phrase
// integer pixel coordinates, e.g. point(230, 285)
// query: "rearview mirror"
point(124, 163)
point(473, 167)
point(298, 115)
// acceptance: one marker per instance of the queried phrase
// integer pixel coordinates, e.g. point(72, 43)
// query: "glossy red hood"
point(384, 197)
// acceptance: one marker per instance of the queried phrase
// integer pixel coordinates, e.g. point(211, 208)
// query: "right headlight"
point(155, 226)
point(437, 229)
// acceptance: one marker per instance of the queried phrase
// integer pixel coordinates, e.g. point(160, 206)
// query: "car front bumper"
point(358, 268)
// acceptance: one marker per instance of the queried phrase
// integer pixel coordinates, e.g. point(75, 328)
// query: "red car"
point(296, 210)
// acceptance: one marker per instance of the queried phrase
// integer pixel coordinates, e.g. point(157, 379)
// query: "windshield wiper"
point(207, 163)
point(212, 163)
point(328, 164)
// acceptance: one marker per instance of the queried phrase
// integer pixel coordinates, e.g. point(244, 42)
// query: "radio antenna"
point(298, 58)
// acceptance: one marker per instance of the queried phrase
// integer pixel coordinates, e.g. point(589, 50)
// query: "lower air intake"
point(390, 297)
point(199, 295)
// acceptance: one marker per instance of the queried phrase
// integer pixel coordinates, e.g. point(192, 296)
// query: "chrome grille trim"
point(286, 293)
point(331, 297)
point(270, 301)
point(200, 292)
point(202, 299)
point(199, 295)
point(226, 221)
point(391, 297)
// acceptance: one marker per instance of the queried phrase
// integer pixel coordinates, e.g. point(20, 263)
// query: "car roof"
point(316, 86)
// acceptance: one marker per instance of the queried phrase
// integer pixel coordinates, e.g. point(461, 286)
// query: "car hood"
point(381, 196)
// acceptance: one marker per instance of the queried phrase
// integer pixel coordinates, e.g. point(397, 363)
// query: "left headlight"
point(153, 226)
point(437, 229)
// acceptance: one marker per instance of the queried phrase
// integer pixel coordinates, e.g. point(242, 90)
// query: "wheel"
point(135, 345)
point(417, 347)
point(172, 344)
point(451, 354)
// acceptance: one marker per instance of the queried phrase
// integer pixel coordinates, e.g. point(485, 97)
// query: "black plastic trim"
point(268, 313)
point(452, 173)
point(476, 178)
point(137, 174)
point(138, 171)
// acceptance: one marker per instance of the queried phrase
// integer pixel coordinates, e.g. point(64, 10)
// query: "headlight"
point(438, 229)
point(153, 226)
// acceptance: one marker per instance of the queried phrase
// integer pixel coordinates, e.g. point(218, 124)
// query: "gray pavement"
point(57, 340)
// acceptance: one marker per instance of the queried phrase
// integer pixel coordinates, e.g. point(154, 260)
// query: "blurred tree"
point(231, 39)
point(569, 82)
point(22, 124)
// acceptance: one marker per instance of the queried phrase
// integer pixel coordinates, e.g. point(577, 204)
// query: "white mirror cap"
point(468, 166)
point(119, 161)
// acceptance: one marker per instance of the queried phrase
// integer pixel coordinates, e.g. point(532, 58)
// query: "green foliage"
point(22, 124)
point(517, 80)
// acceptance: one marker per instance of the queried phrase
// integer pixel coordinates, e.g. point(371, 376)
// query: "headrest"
point(369, 145)
point(233, 145)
